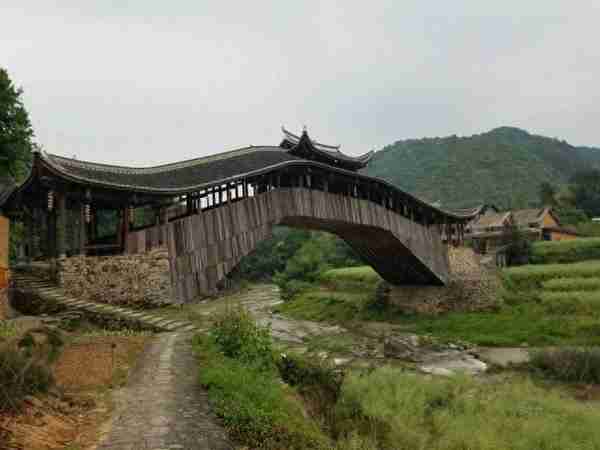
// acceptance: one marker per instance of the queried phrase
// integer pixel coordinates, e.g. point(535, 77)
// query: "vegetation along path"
point(163, 406)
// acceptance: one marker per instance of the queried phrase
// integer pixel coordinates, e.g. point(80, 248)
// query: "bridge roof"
point(199, 173)
point(307, 148)
point(169, 178)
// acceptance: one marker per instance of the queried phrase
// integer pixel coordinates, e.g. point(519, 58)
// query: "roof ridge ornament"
point(307, 148)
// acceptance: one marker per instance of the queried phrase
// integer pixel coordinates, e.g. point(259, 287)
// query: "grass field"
point(554, 304)
point(270, 401)
point(532, 277)
point(404, 410)
point(576, 250)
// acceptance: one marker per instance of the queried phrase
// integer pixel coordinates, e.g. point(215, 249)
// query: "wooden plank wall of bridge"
point(205, 247)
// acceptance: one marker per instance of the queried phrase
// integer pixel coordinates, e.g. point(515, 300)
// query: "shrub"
point(257, 409)
point(310, 374)
point(290, 288)
point(351, 278)
point(572, 284)
point(20, 375)
point(238, 336)
point(569, 364)
point(574, 250)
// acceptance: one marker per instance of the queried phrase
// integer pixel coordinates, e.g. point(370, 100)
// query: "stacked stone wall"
point(471, 287)
point(141, 280)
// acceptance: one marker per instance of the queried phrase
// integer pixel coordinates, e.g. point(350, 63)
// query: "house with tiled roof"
point(488, 232)
point(543, 224)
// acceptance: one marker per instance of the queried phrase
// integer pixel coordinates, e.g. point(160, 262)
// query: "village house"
point(488, 232)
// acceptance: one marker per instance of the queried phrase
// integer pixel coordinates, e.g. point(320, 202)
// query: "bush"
point(532, 276)
point(572, 284)
point(403, 410)
point(300, 371)
point(581, 365)
point(320, 253)
point(20, 375)
point(237, 336)
point(257, 409)
point(591, 229)
point(351, 278)
point(574, 250)
point(290, 288)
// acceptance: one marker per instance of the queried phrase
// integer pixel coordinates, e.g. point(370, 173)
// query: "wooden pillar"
point(82, 229)
point(35, 238)
point(61, 225)
point(28, 237)
point(163, 221)
point(43, 233)
point(125, 227)
point(50, 234)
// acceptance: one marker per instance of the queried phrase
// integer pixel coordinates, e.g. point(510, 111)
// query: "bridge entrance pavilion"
point(210, 211)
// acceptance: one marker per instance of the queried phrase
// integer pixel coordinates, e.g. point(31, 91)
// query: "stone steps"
point(53, 293)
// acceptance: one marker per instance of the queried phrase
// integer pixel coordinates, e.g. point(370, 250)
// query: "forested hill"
point(504, 166)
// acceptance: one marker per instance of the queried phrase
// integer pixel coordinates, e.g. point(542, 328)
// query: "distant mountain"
point(504, 166)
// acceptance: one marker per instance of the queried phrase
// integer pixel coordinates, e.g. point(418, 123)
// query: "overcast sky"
point(143, 81)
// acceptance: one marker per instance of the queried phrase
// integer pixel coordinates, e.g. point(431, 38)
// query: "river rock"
point(405, 347)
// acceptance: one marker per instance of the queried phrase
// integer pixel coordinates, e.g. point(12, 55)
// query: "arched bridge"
point(212, 211)
point(205, 247)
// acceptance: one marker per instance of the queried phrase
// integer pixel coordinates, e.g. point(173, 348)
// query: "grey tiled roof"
point(330, 151)
point(172, 177)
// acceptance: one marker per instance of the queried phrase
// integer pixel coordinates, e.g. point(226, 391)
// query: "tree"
point(547, 193)
point(585, 186)
point(16, 142)
point(518, 246)
point(16, 133)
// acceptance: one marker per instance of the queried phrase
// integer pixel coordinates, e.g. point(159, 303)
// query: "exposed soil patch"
point(97, 362)
point(68, 417)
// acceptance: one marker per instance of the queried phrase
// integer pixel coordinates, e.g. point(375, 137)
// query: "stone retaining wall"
point(140, 280)
point(472, 287)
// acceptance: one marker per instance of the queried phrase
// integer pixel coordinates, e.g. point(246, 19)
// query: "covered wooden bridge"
point(212, 211)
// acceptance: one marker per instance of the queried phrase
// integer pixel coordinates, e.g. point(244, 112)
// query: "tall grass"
point(532, 276)
point(574, 250)
point(580, 365)
point(21, 374)
point(406, 411)
point(571, 302)
point(572, 284)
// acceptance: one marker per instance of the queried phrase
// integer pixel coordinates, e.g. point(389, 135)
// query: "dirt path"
point(163, 406)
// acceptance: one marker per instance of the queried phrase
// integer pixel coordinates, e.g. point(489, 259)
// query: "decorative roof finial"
point(304, 128)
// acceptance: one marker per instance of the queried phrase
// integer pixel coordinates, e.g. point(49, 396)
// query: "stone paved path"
point(163, 406)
